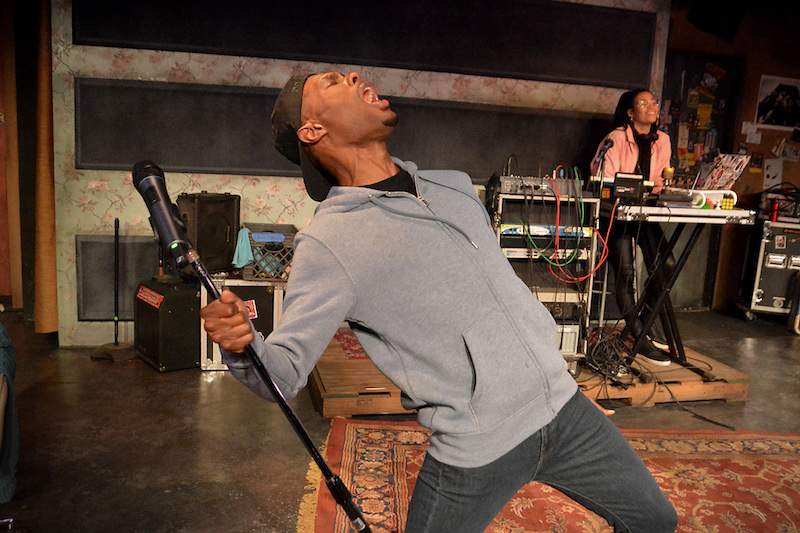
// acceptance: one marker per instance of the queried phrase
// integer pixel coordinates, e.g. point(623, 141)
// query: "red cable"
point(603, 256)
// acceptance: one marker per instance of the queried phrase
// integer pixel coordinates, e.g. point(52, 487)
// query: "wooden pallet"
point(665, 384)
point(351, 386)
point(347, 386)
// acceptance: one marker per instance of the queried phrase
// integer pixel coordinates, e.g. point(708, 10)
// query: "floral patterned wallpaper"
point(88, 201)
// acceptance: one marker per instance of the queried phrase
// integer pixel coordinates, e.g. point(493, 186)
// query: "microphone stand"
point(334, 483)
point(602, 158)
point(172, 236)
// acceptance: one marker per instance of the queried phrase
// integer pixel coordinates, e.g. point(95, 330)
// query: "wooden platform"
point(346, 386)
point(665, 384)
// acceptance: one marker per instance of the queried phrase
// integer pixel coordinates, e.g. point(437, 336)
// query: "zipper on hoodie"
point(374, 199)
point(419, 196)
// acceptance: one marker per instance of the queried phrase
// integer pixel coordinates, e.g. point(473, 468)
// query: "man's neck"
point(363, 166)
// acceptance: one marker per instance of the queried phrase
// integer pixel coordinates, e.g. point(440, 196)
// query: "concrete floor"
point(119, 447)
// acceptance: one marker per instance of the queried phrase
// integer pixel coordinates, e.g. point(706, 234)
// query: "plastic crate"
point(273, 247)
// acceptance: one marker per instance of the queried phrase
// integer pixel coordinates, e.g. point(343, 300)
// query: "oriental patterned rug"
point(718, 482)
point(352, 348)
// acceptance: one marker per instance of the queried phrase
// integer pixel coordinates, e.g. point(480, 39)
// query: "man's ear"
point(311, 132)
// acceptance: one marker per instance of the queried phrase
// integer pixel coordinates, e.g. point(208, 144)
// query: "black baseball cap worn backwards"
point(286, 120)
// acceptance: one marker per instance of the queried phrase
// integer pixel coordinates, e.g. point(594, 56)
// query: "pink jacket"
point(624, 154)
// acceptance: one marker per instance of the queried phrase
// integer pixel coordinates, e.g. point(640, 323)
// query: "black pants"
point(580, 453)
point(622, 243)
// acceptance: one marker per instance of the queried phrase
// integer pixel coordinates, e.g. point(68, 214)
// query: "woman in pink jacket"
point(637, 147)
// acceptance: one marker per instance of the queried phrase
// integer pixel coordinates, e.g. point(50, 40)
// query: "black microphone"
point(606, 145)
point(149, 181)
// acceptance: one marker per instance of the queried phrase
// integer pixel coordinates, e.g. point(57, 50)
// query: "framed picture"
point(778, 103)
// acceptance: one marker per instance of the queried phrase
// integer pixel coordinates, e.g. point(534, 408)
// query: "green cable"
point(580, 232)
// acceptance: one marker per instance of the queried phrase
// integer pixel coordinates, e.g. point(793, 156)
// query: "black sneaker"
point(654, 356)
point(659, 343)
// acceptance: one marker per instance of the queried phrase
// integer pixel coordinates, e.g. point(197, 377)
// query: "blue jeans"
point(581, 453)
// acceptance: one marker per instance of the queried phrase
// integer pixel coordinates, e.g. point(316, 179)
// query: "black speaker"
point(166, 327)
point(212, 225)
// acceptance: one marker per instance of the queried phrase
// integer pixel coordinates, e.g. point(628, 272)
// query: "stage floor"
point(119, 446)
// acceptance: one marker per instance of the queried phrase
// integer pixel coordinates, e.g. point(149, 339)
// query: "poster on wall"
point(778, 103)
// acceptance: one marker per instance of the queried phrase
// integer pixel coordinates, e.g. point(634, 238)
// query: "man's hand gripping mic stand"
point(149, 181)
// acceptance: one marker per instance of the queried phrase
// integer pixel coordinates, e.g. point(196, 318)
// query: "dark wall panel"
point(206, 128)
point(480, 139)
point(523, 39)
point(94, 254)
point(182, 127)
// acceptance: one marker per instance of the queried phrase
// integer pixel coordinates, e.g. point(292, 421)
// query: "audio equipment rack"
point(549, 236)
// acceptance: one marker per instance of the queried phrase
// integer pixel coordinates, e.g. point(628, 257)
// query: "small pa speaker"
point(212, 226)
point(167, 324)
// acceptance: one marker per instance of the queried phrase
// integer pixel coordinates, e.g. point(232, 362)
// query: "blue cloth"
point(243, 255)
point(9, 453)
point(580, 453)
point(268, 237)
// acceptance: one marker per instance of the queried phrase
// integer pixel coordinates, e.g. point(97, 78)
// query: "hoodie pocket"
point(507, 378)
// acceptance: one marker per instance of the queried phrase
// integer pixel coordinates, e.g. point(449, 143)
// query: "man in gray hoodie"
point(408, 258)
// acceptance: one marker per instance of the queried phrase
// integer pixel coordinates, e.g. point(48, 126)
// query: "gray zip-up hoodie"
point(436, 306)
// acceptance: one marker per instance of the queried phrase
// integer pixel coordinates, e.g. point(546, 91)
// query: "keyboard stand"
point(655, 260)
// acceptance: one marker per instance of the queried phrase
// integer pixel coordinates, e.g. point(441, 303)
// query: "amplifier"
point(565, 310)
point(540, 214)
point(541, 241)
point(565, 253)
point(545, 287)
point(543, 230)
point(535, 186)
point(542, 236)
point(166, 324)
point(212, 226)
